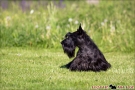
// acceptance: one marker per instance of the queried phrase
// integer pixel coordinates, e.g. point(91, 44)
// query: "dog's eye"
point(67, 37)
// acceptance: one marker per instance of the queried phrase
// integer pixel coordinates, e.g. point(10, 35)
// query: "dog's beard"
point(69, 49)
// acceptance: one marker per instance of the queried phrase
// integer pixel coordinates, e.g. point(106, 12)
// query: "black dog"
point(88, 57)
point(112, 87)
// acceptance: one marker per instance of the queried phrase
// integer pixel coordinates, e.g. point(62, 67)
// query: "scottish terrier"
point(88, 57)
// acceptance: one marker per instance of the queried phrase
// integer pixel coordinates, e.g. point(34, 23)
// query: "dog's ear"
point(80, 30)
point(80, 27)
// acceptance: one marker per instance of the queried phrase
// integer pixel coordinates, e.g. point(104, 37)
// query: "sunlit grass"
point(31, 68)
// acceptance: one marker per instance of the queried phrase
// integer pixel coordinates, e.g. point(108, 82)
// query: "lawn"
point(30, 50)
point(39, 68)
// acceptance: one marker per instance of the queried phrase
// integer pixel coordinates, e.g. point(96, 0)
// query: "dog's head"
point(68, 45)
point(72, 40)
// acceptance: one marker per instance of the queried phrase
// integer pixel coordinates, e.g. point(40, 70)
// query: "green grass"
point(35, 58)
point(109, 23)
point(36, 68)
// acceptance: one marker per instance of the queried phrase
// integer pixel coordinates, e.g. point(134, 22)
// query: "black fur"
point(88, 57)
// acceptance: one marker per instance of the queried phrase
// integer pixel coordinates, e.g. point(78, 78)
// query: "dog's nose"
point(61, 42)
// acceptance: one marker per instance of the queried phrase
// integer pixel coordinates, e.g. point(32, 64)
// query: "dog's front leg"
point(74, 65)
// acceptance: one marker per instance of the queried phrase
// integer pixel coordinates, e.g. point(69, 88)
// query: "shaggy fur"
point(88, 57)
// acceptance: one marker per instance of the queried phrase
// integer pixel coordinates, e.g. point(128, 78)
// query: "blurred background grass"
point(43, 24)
